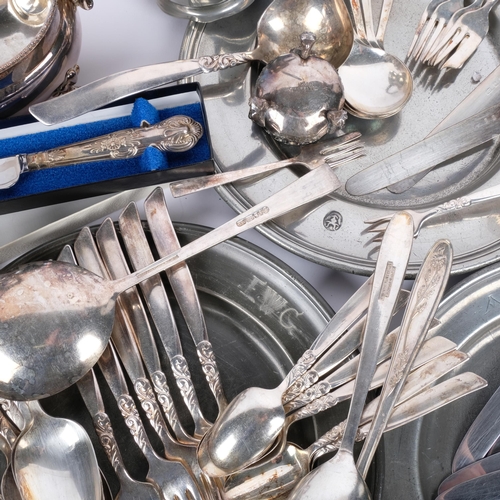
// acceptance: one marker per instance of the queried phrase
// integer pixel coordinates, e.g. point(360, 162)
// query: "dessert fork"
point(379, 224)
point(335, 152)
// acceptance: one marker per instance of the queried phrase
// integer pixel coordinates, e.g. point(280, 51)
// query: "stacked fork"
point(448, 33)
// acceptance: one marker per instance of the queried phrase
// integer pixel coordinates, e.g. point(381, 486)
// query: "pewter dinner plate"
point(261, 316)
point(330, 232)
point(417, 457)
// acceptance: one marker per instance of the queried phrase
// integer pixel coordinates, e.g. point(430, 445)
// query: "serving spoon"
point(64, 314)
point(278, 31)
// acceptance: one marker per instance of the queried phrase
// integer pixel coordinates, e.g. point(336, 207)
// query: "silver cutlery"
point(484, 95)
point(77, 304)
point(140, 256)
point(334, 152)
point(479, 488)
point(181, 281)
point(444, 145)
point(278, 31)
point(177, 134)
point(420, 219)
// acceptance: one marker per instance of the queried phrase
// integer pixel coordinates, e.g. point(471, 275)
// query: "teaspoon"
point(65, 314)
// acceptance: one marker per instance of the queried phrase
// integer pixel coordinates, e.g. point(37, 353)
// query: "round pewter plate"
point(418, 456)
point(260, 315)
point(330, 232)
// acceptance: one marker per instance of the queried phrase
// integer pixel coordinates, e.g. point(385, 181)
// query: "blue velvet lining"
point(54, 179)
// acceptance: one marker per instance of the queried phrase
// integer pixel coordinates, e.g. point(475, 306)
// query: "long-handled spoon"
point(256, 415)
point(64, 314)
point(185, 292)
point(424, 299)
point(278, 31)
point(140, 255)
point(54, 458)
point(388, 276)
point(275, 479)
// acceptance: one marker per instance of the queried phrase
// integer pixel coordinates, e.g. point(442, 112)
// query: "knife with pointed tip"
point(481, 435)
point(438, 148)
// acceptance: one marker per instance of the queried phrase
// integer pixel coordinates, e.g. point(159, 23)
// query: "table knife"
point(486, 94)
point(449, 143)
point(475, 469)
point(480, 488)
point(482, 434)
point(176, 134)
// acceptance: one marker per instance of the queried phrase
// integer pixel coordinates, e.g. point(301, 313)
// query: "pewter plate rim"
point(359, 255)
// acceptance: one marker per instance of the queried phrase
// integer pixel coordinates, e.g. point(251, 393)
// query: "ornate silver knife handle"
point(177, 134)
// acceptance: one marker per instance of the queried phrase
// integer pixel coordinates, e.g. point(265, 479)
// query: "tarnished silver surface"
point(260, 317)
point(177, 134)
point(343, 245)
point(40, 42)
point(470, 316)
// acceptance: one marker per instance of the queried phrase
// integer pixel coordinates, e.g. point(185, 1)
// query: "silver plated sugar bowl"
point(39, 45)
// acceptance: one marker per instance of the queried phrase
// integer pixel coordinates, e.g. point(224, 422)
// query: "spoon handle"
point(425, 296)
point(388, 277)
point(384, 19)
point(311, 186)
point(184, 289)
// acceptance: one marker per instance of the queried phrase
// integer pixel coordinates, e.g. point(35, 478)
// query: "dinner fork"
point(435, 18)
point(379, 224)
point(462, 38)
point(335, 152)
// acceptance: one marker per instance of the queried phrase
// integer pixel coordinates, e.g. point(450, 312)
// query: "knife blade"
point(449, 143)
point(480, 488)
point(486, 94)
point(482, 434)
point(175, 134)
point(476, 469)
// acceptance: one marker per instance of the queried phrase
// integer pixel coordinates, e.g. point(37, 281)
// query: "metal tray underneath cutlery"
point(417, 457)
point(330, 232)
point(261, 316)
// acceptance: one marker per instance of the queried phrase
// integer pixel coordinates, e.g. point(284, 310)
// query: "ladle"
point(278, 31)
point(64, 314)
point(376, 84)
point(54, 458)
point(256, 415)
point(388, 276)
point(274, 479)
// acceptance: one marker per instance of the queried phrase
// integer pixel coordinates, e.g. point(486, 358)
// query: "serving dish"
point(261, 316)
point(417, 457)
point(237, 143)
point(40, 46)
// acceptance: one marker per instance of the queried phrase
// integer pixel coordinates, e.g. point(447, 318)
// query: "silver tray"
point(261, 316)
point(417, 457)
point(238, 143)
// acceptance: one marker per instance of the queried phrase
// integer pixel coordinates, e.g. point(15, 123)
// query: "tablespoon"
point(275, 478)
point(256, 416)
point(376, 84)
point(65, 313)
point(389, 273)
point(54, 458)
point(278, 31)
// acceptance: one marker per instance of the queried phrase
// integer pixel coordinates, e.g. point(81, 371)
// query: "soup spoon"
point(64, 314)
point(278, 31)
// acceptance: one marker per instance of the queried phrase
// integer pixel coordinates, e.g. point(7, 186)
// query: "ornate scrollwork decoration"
point(147, 398)
point(210, 64)
point(165, 398)
point(180, 133)
point(133, 420)
point(121, 144)
point(182, 376)
point(107, 439)
point(209, 366)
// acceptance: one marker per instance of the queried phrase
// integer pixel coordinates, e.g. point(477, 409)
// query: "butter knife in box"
point(472, 132)
point(176, 134)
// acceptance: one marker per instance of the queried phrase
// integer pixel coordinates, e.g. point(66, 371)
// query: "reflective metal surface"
point(260, 316)
point(342, 244)
point(418, 457)
point(40, 43)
